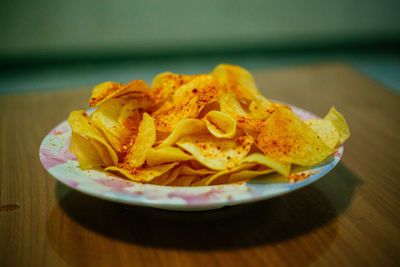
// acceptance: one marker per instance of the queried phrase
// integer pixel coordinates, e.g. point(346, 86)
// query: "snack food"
point(198, 130)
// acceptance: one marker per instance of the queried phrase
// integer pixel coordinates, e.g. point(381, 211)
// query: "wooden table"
point(350, 217)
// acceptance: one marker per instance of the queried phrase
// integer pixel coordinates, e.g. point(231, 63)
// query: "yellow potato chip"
point(144, 141)
point(325, 130)
point(220, 124)
point(119, 120)
point(247, 175)
point(216, 154)
point(230, 105)
point(238, 80)
point(183, 128)
point(340, 124)
point(142, 174)
point(166, 154)
point(108, 90)
point(206, 88)
point(129, 117)
point(102, 151)
point(183, 180)
point(221, 175)
point(167, 177)
point(285, 138)
point(261, 107)
point(167, 120)
point(186, 170)
point(85, 152)
point(281, 167)
point(81, 124)
point(166, 83)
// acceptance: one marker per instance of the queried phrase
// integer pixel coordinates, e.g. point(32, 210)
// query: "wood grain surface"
point(351, 217)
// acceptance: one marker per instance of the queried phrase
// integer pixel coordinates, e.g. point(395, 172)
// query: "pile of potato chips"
point(198, 130)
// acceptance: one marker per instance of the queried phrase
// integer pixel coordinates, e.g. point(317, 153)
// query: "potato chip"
point(183, 128)
point(129, 117)
point(166, 83)
point(167, 120)
point(230, 105)
point(183, 180)
point(167, 177)
point(108, 90)
point(340, 124)
point(186, 170)
point(244, 121)
point(166, 154)
point(205, 87)
point(247, 175)
point(285, 138)
point(103, 152)
point(261, 107)
point(85, 152)
point(212, 179)
point(142, 174)
point(81, 124)
point(238, 80)
point(119, 120)
point(144, 141)
point(220, 124)
point(215, 153)
point(325, 130)
point(281, 167)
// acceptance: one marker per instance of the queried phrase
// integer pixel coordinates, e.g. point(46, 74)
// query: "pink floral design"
point(115, 185)
point(50, 158)
point(196, 198)
point(71, 183)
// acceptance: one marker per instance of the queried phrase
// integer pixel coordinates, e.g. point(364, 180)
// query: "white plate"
point(64, 166)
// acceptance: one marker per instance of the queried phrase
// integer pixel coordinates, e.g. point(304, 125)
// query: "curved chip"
point(108, 90)
point(229, 104)
point(222, 176)
point(85, 152)
point(261, 107)
point(205, 87)
point(280, 167)
point(166, 83)
point(167, 120)
point(183, 128)
point(325, 129)
point(183, 180)
point(142, 174)
point(340, 124)
point(238, 80)
point(144, 141)
point(167, 177)
point(247, 175)
point(186, 170)
point(220, 124)
point(285, 138)
point(216, 154)
point(166, 154)
point(103, 152)
point(81, 124)
point(119, 120)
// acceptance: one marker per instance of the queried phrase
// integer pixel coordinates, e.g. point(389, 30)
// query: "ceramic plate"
point(63, 165)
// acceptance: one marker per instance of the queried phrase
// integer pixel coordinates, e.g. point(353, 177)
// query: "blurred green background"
point(59, 44)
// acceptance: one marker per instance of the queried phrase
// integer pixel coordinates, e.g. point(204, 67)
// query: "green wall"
point(39, 29)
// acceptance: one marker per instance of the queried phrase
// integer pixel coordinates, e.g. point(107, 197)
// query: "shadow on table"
point(85, 221)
